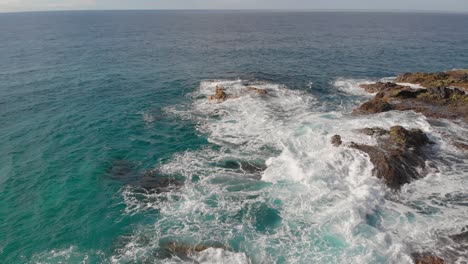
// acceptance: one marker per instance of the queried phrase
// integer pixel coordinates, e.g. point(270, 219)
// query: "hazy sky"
point(423, 5)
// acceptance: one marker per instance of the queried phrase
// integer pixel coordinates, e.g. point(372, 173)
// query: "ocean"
point(99, 107)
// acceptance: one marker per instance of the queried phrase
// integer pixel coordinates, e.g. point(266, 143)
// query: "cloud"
point(40, 5)
point(33, 5)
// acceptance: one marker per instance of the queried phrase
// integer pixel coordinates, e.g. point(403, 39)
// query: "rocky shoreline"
point(401, 155)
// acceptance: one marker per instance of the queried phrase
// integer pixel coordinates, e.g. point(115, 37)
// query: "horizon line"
point(252, 10)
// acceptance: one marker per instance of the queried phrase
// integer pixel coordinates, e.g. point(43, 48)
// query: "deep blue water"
point(83, 91)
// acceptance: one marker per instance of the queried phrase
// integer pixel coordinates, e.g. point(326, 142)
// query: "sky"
point(421, 5)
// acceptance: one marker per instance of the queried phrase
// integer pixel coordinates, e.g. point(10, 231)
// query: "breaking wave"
point(270, 188)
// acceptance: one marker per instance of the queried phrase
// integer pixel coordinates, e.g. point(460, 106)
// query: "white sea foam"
point(351, 86)
point(323, 202)
point(68, 255)
point(220, 256)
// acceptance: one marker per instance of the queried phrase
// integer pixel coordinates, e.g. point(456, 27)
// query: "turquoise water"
point(90, 101)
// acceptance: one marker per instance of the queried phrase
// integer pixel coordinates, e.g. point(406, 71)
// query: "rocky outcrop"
point(456, 78)
point(399, 155)
point(257, 90)
point(379, 86)
point(373, 131)
point(183, 250)
point(436, 102)
point(220, 94)
point(428, 259)
point(336, 140)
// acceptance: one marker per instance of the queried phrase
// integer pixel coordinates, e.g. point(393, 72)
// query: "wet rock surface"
point(336, 140)
point(184, 250)
point(220, 94)
point(399, 156)
point(435, 102)
point(456, 78)
point(257, 90)
point(252, 168)
point(379, 86)
point(428, 259)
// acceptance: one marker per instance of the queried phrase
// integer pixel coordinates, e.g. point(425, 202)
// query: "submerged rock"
point(399, 156)
point(220, 94)
point(456, 78)
point(252, 168)
point(152, 182)
point(184, 250)
point(257, 90)
point(149, 181)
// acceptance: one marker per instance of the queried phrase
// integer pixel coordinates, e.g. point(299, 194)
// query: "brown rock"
point(460, 145)
point(373, 131)
point(377, 105)
point(428, 259)
point(257, 90)
point(408, 138)
point(220, 94)
point(398, 155)
point(457, 78)
point(378, 86)
point(436, 102)
point(336, 140)
point(184, 250)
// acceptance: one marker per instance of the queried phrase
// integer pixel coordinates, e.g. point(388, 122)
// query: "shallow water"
point(90, 101)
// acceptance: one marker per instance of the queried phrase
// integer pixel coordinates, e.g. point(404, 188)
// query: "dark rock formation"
point(253, 169)
point(457, 78)
point(399, 155)
point(184, 250)
point(257, 90)
point(436, 102)
point(152, 182)
point(376, 105)
point(220, 94)
point(461, 237)
point(428, 259)
point(336, 140)
point(373, 131)
point(148, 182)
point(378, 86)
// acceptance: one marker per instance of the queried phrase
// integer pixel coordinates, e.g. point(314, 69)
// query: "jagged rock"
point(373, 131)
point(399, 155)
point(336, 140)
point(428, 259)
point(184, 250)
point(378, 86)
point(461, 237)
point(444, 93)
point(220, 94)
point(413, 138)
point(376, 105)
point(257, 90)
point(460, 145)
point(457, 78)
point(436, 102)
